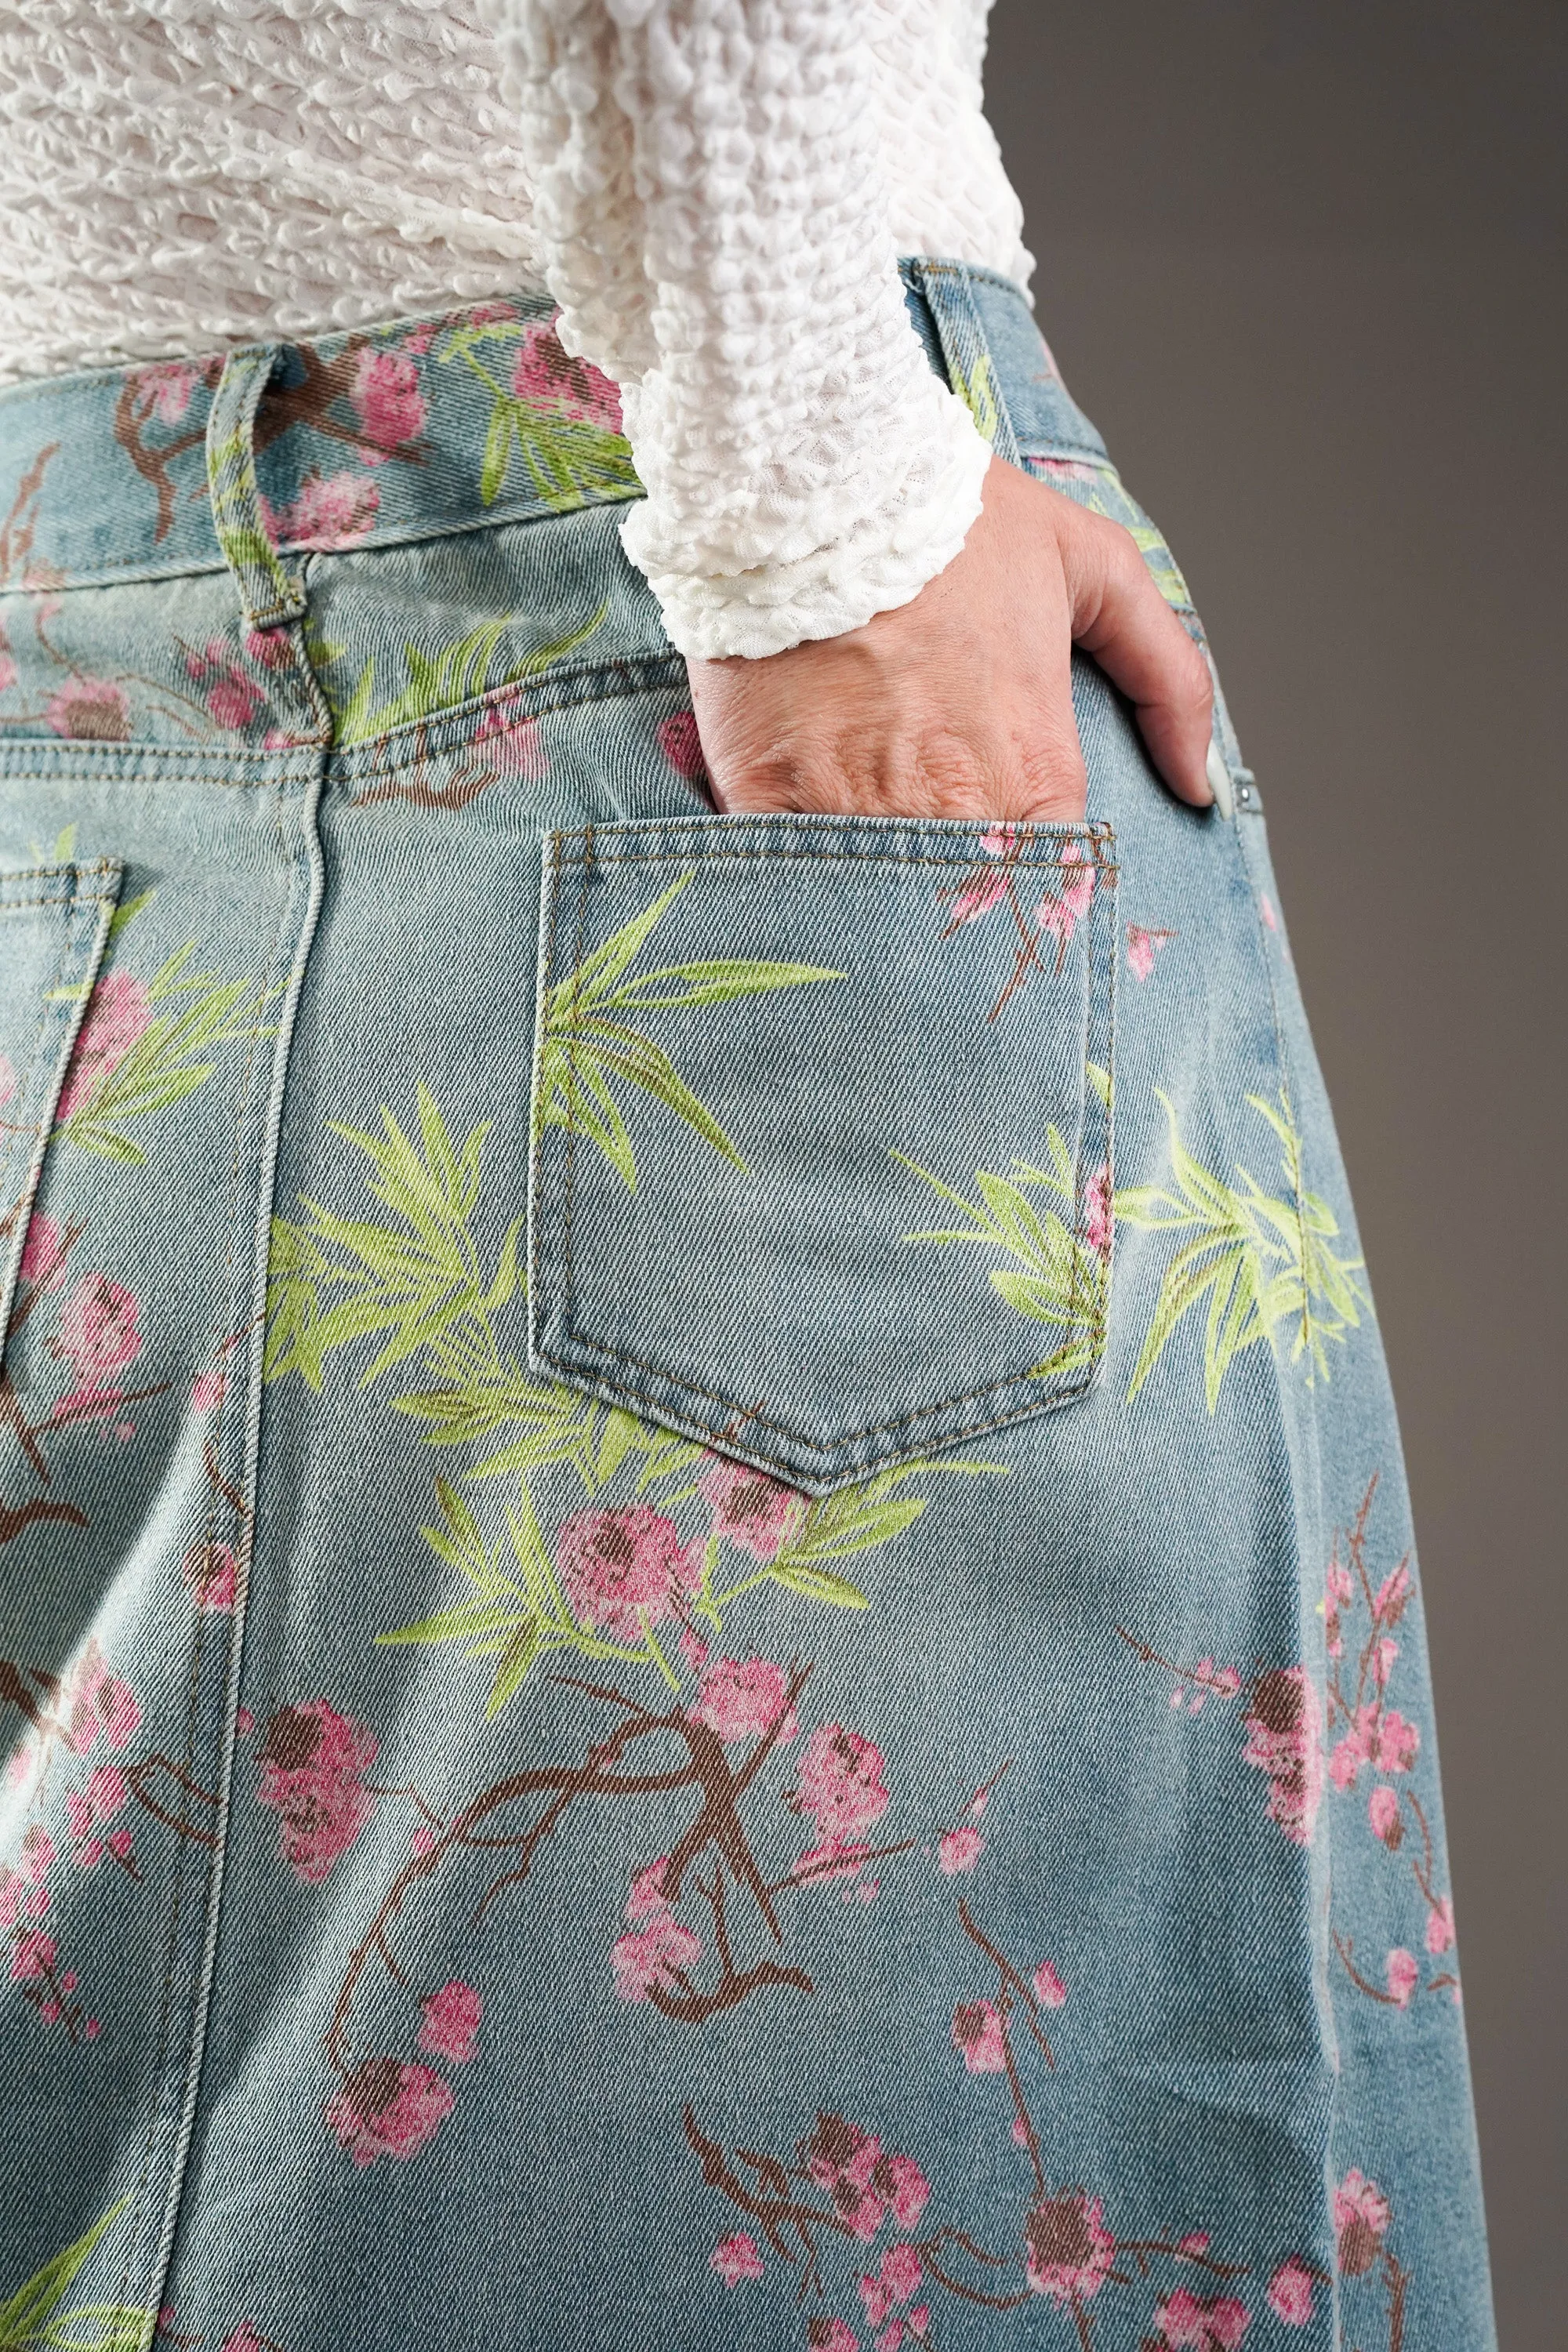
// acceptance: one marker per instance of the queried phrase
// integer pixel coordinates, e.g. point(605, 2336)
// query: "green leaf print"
point(1054, 1277)
point(1258, 1259)
point(132, 1061)
point(436, 682)
point(570, 459)
point(586, 1036)
point(33, 2316)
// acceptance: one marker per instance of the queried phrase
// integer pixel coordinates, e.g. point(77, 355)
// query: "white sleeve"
point(710, 201)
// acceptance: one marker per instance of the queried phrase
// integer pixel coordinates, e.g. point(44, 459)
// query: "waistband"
point(412, 430)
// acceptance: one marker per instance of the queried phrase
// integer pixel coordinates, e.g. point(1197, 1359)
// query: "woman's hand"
point(960, 703)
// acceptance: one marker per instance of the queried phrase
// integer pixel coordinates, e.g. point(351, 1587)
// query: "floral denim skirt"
point(683, 1667)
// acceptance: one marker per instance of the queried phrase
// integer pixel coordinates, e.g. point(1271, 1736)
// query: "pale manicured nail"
point(1219, 782)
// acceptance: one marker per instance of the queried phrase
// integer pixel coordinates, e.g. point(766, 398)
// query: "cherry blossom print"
point(1142, 948)
point(387, 400)
point(1403, 1975)
point(1048, 1988)
point(326, 511)
point(1217, 2326)
point(961, 1849)
point(840, 1783)
point(979, 894)
point(1098, 1215)
point(548, 377)
point(750, 1510)
point(390, 2107)
point(166, 389)
point(739, 1698)
point(1070, 2251)
point(89, 1809)
point(1060, 912)
point(1362, 2216)
point(43, 1251)
point(118, 1013)
point(1374, 1738)
point(211, 1571)
point(89, 709)
point(312, 1767)
point(232, 695)
point(625, 1571)
point(977, 2031)
point(677, 739)
point(508, 736)
point(736, 2258)
point(656, 1958)
point(1284, 1739)
point(32, 1955)
point(451, 2022)
point(830, 2335)
point(866, 2183)
point(94, 1702)
point(895, 2281)
point(1290, 2293)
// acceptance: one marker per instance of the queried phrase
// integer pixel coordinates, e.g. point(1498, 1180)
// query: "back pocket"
point(821, 1134)
point(54, 922)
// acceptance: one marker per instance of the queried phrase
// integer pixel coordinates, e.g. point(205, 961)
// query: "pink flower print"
point(1284, 1739)
point(513, 735)
point(269, 648)
point(1362, 2216)
point(1001, 840)
point(243, 2338)
point(89, 709)
point(1290, 2293)
point(388, 2108)
point(1069, 2248)
point(750, 1510)
point(1339, 1589)
point(1184, 2319)
point(652, 1960)
point(1142, 947)
point(840, 1783)
point(165, 390)
point(546, 376)
point(1062, 914)
point(625, 1570)
point(1383, 1811)
point(977, 2031)
point(312, 1763)
point(232, 697)
point(1398, 1742)
point(332, 511)
point(117, 1012)
point(208, 1389)
point(829, 2336)
point(677, 739)
point(43, 1250)
point(737, 2258)
point(865, 2183)
point(1393, 1595)
point(1266, 905)
point(739, 1698)
point(32, 1955)
point(978, 894)
point(694, 1649)
point(387, 399)
point(1049, 1990)
point(647, 1895)
point(961, 1849)
point(1440, 1927)
point(1403, 1976)
point(1349, 1754)
point(98, 1329)
point(1098, 1215)
point(211, 1571)
point(1382, 1658)
point(451, 2022)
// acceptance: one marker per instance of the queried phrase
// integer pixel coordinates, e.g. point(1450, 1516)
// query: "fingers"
point(1121, 617)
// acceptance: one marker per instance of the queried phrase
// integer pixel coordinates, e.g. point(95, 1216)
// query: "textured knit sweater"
point(714, 191)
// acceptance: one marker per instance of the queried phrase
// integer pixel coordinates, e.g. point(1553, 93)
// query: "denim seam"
point(91, 959)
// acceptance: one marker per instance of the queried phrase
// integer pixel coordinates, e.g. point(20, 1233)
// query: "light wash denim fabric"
point(674, 1679)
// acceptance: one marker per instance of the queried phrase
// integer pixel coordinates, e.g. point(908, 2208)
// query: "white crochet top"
point(715, 190)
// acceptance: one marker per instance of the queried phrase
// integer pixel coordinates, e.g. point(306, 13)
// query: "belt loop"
point(268, 593)
point(949, 290)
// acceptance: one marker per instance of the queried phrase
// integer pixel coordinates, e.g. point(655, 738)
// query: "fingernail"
point(1219, 782)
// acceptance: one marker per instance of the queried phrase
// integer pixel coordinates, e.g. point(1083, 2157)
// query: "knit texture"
point(715, 190)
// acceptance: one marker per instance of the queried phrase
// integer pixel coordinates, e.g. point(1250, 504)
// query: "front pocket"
point(54, 922)
point(821, 1129)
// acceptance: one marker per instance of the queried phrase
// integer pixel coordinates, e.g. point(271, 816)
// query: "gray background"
point(1305, 266)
